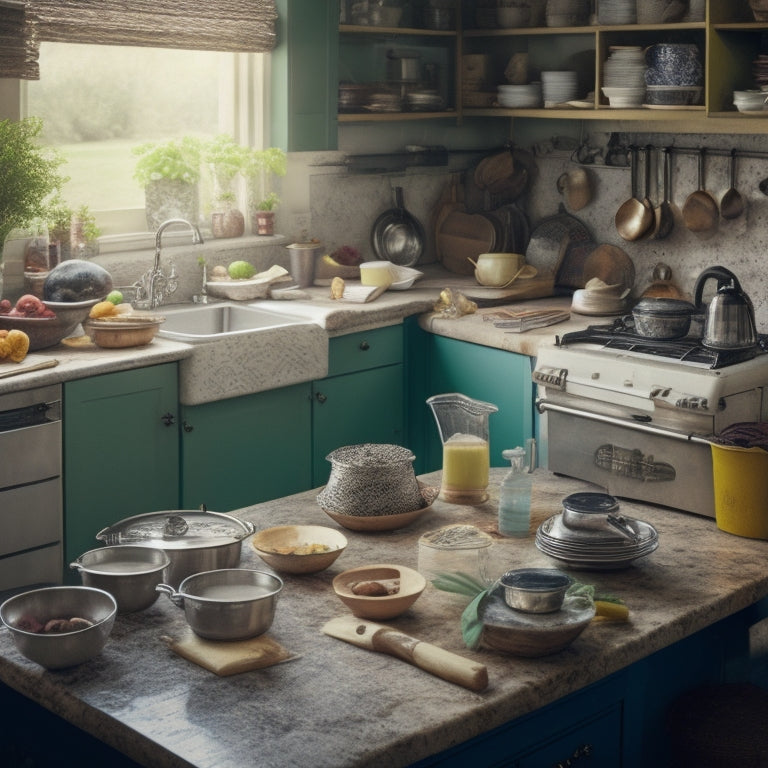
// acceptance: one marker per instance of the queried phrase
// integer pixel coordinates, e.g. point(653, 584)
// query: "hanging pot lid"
point(177, 529)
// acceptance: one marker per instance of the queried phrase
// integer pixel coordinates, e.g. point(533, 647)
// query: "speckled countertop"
point(338, 705)
point(336, 318)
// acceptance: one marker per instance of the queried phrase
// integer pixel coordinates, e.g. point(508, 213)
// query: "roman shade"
point(226, 25)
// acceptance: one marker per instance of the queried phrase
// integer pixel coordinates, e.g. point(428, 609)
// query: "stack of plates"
point(559, 87)
point(425, 101)
point(520, 96)
point(594, 549)
point(760, 70)
point(617, 12)
point(625, 67)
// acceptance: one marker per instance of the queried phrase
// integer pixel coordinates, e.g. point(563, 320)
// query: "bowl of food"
point(60, 627)
point(129, 573)
point(227, 604)
point(379, 591)
point(121, 331)
point(299, 548)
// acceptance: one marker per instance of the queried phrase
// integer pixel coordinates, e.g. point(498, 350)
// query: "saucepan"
point(659, 318)
point(397, 236)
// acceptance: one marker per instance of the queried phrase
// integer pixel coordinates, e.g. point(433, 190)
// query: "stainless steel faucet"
point(155, 285)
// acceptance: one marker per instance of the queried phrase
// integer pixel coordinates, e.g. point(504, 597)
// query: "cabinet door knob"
point(168, 419)
point(364, 346)
point(186, 426)
point(320, 397)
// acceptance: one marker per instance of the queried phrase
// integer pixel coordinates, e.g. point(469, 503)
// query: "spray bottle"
point(515, 491)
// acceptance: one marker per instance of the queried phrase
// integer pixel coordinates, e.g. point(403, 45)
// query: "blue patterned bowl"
point(673, 64)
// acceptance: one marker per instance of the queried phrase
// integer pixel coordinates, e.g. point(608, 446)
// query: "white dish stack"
point(527, 96)
point(559, 87)
point(617, 12)
point(624, 76)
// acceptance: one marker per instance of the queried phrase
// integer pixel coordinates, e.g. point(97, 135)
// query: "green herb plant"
point(261, 165)
point(30, 175)
point(174, 160)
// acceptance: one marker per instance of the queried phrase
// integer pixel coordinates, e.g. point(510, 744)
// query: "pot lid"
point(177, 529)
point(591, 503)
point(662, 306)
point(370, 455)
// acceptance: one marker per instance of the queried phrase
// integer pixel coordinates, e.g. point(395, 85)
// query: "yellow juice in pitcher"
point(466, 463)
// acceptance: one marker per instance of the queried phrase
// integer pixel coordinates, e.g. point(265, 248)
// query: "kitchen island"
point(338, 705)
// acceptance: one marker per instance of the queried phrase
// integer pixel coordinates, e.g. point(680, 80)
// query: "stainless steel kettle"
point(730, 317)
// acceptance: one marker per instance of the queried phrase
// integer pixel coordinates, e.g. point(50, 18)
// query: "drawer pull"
point(168, 419)
point(186, 426)
point(583, 750)
point(364, 346)
point(320, 397)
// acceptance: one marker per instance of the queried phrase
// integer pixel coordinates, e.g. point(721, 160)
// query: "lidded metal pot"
point(730, 317)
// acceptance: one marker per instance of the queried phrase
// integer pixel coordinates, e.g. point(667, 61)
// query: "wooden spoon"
point(700, 212)
point(665, 216)
point(732, 204)
point(633, 217)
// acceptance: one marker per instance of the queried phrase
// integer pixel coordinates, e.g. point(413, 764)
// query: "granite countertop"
point(336, 318)
point(353, 707)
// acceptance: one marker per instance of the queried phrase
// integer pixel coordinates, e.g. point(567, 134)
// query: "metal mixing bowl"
point(129, 573)
point(535, 590)
point(227, 604)
point(60, 650)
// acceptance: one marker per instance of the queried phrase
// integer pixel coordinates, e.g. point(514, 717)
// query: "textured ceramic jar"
point(673, 64)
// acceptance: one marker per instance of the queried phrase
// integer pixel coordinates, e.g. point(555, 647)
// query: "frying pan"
point(397, 236)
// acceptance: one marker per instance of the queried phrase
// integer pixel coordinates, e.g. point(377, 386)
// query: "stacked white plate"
point(617, 12)
point(625, 67)
point(520, 96)
point(594, 549)
point(559, 87)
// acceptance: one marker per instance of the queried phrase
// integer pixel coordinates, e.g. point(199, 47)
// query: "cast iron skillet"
point(397, 236)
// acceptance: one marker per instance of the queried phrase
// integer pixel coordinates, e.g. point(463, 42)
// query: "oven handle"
point(544, 405)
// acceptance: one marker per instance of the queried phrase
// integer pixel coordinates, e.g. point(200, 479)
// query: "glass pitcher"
point(463, 425)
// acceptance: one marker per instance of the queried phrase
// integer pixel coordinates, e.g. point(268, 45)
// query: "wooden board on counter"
point(534, 288)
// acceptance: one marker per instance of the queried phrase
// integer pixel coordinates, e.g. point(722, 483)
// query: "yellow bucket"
point(741, 490)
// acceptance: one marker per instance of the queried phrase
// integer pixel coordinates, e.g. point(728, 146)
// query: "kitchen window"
point(98, 102)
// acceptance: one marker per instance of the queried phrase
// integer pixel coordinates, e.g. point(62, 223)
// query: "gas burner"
point(686, 350)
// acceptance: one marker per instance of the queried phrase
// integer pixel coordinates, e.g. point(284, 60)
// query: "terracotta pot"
point(263, 223)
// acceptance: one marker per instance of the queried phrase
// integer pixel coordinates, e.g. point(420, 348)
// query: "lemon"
point(241, 270)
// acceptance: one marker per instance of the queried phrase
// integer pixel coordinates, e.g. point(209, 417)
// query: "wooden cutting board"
point(229, 657)
point(463, 236)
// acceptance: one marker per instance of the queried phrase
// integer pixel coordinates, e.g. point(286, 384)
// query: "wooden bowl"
point(386, 522)
point(288, 548)
point(532, 634)
point(412, 584)
point(123, 331)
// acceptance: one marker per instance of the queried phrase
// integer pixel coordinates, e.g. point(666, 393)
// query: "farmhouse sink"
point(208, 322)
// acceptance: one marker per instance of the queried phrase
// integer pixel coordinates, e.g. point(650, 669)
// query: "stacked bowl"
point(520, 96)
point(624, 76)
point(617, 12)
point(559, 87)
point(750, 101)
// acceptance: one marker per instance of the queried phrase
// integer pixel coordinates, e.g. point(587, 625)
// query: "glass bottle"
point(515, 493)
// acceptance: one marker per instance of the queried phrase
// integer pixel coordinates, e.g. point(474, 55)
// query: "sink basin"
point(207, 322)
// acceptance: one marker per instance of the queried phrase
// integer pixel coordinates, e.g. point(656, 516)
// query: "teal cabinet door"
point(437, 364)
point(363, 407)
point(121, 451)
point(245, 450)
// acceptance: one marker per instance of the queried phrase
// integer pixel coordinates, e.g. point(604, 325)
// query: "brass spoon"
point(732, 205)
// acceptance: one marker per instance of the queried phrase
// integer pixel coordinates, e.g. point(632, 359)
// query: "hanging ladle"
point(634, 216)
point(732, 205)
point(665, 215)
point(700, 211)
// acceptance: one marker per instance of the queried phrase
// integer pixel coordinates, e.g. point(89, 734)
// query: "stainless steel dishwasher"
point(31, 504)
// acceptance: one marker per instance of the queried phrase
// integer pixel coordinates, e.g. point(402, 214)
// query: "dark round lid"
point(602, 503)
point(660, 306)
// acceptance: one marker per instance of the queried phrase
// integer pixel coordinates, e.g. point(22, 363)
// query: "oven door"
point(634, 460)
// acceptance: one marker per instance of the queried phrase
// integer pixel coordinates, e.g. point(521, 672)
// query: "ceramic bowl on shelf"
point(673, 95)
point(625, 97)
point(379, 591)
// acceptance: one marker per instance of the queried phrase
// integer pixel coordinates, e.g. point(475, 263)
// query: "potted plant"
point(83, 232)
point(261, 165)
point(29, 172)
point(226, 159)
point(170, 173)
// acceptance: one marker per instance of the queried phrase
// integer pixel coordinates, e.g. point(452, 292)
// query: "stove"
point(637, 415)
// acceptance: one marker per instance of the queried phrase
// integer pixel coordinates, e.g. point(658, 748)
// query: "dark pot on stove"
point(658, 318)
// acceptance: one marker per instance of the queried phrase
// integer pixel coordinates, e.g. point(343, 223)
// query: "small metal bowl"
point(535, 590)
point(129, 573)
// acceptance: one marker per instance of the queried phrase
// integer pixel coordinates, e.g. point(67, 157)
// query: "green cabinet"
point(362, 398)
point(121, 451)
point(245, 450)
point(437, 364)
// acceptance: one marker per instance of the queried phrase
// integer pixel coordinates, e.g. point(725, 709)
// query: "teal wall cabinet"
point(362, 398)
point(245, 450)
point(121, 451)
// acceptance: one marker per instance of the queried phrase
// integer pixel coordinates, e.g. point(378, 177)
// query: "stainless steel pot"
point(194, 540)
point(227, 604)
point(659, 318)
